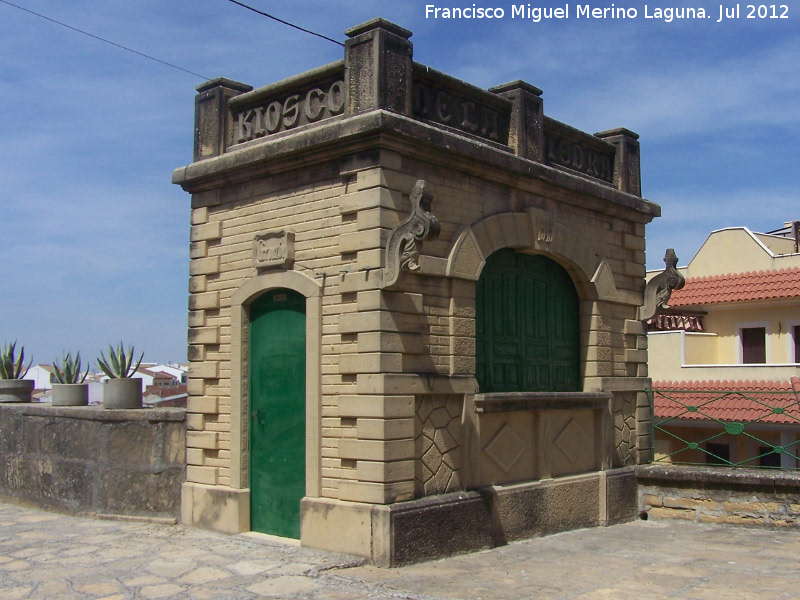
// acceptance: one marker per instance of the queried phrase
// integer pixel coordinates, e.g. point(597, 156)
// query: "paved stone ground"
point(46, 555)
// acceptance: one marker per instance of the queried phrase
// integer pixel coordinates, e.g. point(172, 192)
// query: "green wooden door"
point(527, 325)
point(277, 412)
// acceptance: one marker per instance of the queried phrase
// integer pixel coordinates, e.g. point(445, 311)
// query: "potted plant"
point(120, 390)
point(13, 386)
point(70, 389)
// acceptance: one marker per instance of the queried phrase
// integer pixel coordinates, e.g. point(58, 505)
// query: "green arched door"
point(277, 412)
point(527, 325)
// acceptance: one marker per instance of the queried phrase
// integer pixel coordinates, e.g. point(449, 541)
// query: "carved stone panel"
point(274, 250)
point(465, 260)
point(624, 409)
point(507, 448)
point(544, 230)
point(439, 438)
point(572, 441)
point(289, 110)
point(578, 151)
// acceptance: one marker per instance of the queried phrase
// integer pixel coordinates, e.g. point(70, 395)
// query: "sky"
point(95, 237)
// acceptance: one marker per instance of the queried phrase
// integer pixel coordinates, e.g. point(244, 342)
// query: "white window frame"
point(767, 353)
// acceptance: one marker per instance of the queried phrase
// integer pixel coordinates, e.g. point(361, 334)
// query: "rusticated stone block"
point(204, 335)
point(204, 301)
point(199, 216)
point(204, 266)
point(202, 439)
point(207, 405)
point(206, 231)
point(196, 353)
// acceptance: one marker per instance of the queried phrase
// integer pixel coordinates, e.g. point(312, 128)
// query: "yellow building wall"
point(778, 321)
point(738, 250)
point(715, 354)
point(700, 348)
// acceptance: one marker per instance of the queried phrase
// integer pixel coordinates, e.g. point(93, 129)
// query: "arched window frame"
point(526, 343)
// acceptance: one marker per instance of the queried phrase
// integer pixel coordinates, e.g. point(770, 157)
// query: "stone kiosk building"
point(413, 311)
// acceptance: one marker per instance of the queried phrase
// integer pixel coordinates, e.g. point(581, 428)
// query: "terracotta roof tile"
point(738, 287)
point(776, 402)
point(164, 392)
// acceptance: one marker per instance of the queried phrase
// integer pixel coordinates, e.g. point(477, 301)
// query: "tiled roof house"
point(724, 355)
point(728, 288)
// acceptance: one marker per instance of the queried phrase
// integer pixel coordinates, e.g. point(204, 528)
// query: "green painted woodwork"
point(527, 325)
point(277, 412)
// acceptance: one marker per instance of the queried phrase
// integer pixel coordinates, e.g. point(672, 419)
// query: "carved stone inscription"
point(544, 230)
point(445, 107)
point(570, 153)
point(274, 250)
point(290, 112)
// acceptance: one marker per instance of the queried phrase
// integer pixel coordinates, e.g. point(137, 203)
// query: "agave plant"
point(68, 370)
point(118, 365)
point(11, 366)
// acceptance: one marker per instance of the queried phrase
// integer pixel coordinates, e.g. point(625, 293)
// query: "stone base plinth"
point(215, 507)
point(438, 526)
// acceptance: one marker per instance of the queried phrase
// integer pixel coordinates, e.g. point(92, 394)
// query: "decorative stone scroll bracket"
point(659, 288)
point(405, 241)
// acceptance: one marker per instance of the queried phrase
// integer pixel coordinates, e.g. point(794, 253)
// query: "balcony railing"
point(756, 427)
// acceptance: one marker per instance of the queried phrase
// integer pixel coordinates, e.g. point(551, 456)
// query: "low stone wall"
point(92, 460)
point(720, 495)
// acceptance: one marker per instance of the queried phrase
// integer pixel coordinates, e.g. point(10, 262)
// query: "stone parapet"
point(94, 460)
point(378, 67)
point(759, 497)
point(213, 124)
point(425, 138)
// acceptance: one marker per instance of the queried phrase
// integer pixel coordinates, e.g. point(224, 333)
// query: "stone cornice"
point(311, 144)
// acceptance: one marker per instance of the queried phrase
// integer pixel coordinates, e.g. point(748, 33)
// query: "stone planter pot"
point(16, 390)
point(122, 393)
point(70, 394)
